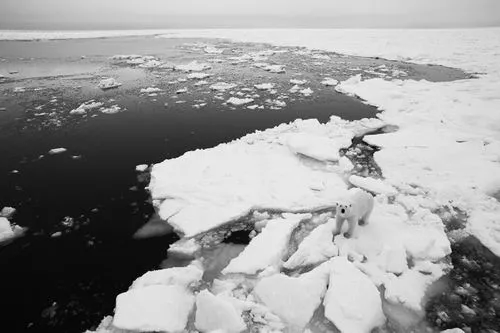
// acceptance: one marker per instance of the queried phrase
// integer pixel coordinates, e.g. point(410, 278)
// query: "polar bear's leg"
point(353, 222)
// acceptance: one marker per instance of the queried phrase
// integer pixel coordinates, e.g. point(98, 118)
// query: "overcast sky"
point(136, 14)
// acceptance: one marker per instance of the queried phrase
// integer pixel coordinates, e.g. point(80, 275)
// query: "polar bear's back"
point(362, 201)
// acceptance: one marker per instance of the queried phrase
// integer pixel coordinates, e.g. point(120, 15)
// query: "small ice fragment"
point(264, 86)
point(141, 167)
point(222, 86)
point(55, 151)
point(181, 91)
point(329, 82)
point(111, 110)
point(239, 101)
point(198, 76)
point(306, 92)
point(150, 90)
point(108, 84)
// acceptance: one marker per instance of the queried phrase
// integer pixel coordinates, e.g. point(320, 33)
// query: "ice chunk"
point(7, 212)
point(213, 50)
point(318, 147)
point(141, 167)
point(150, 90)
point(56, 151)
point(108, 84)
point(111, 110)
point(293, 299)
point(6, 231)
point(264, 86)
point(239, 101)
point(153, 308)
point(329, 82)
point(222, 86)
point(352, 301)
point(193, 66)
point(267, 248)
point(373, 185)
point(214, 313)
point(345, 164)
point(306, 92)
point(180, 276)
point(186, 246)
point(198, 76)
point(181, 91)
point(316, 248)
point(298, 82)
point(275, 68)
point(83, 108)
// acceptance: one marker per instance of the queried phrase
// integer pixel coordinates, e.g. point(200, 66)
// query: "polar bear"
point(356, 209)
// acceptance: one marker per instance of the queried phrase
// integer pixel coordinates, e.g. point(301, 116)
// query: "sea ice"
point(55, 151)
point(150, 90)
point(179, 276)
point(141, 167)
point(352, 302)
point(329, 82)
point(239, 101)
point(222, 86)
point(373, 185)
point(213, 50)
point(298, 82)
point(318, 147)
point(267, 248)
point(306, 92)
point(83, 108)
point(182, 91)
point(111, 110)
point(214, 313)
point(294, 299)
point(153, 308)
point(264, 86)
point(197, 76)
point(193, 66)
point(108, 84)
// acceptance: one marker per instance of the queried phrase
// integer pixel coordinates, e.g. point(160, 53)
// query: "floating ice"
point(293, 299)
point(182, 91)
point(153, 308)
point(222, 86)
point(193, 66)
point(267, 248)
point(275, 68)
point(306, 92)
point(198, 76)
point(264, 86)
point(239, 101)
point(329, 82)
point(179, 276)
point(373, 185)
point(318, 147)
point(83, 108)
point(141, 167)
point(213, 50)
point(111, 110)
point(352, 301)
point(55, 151)
point(150, 90)
point(214, 313)
point(298, 82)
point(108, 84)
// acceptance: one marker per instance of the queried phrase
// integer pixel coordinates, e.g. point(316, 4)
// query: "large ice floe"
point(445, 153)
point(8, 230)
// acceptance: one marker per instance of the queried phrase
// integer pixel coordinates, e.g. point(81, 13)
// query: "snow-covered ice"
point(55, 151)
point(153, 308)
point(179, 276)
point(197, 76)
point(109, 83)
point(239, 101)
point(294, 299)
point(329, 82)
point(306, 92)
point(317, 146)
point(352, 301)
point(214, 313)
point(193, 66)
point(84, 107)
point(264, 86)
point(222, 86)
point(150, 90)
point(373, 185)
point(141, 167)
point(111, 110)
point(267, 248)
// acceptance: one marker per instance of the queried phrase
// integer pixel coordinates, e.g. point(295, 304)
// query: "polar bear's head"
point(343, 209)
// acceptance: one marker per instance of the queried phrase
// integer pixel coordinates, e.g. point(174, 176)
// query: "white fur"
point(358, 207)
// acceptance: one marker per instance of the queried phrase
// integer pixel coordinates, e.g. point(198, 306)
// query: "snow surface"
point(239, 101)
point(153, 308)
point(180, 276)
point(449, 134)
point(373, 185)
point(352, 301)
point(215, 313)
point(55, 151)
point(6, 230)
point(198, 76)
point(222, 86)
point(294, 299)
point(109, 83)
point(267, 248)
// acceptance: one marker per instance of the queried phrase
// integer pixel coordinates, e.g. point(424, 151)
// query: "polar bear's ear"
point(350, 205)
point(336, 204)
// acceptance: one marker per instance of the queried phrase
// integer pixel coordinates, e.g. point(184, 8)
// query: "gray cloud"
point(135, 14)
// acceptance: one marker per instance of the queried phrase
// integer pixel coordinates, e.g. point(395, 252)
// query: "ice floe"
point(193, 66)
point(108, 84)
point(267, 248)
point(239, 101)
point(216, 314)
point(8, 231)
point(56, 151)
point(198, 76)
point(329, 82)
point(222, 86)
point(352, 301)
point(150, 90)
point(264, 86)
point(111, 110)
point(83, 108)
point(373, 185)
